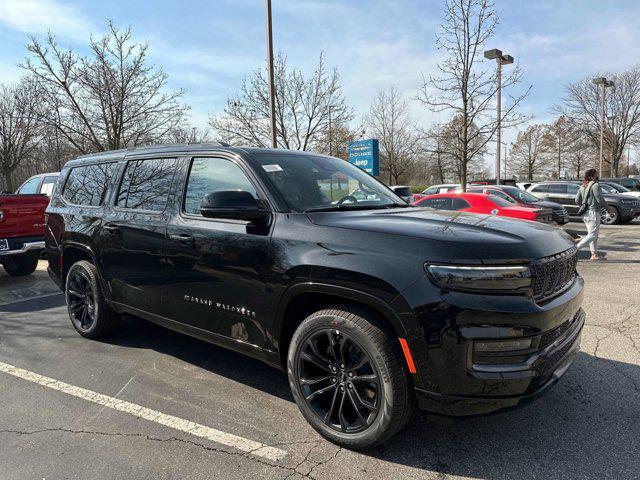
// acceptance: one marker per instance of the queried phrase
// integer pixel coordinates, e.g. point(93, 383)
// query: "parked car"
point(42, 183)
point(609, 187)
point(485, 204)
point(631, 183)
point(369, 306)
point(442, 188)
point(621, 208)
point(21, 232)
point(404, 192)
point(524, 198)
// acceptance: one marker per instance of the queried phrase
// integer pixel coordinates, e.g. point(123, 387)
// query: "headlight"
point(487, 278)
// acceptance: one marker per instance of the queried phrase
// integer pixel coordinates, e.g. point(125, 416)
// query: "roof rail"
point(153, 147)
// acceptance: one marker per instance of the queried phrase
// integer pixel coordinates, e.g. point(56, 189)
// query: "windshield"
point(315, 183)
point(615, 188)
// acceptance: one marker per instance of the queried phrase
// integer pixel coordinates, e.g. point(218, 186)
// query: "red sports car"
point(487, 204)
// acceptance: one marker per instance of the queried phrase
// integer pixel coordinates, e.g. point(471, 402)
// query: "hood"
point(483, 238)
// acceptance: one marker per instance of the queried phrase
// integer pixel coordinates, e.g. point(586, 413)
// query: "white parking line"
point(244, 444)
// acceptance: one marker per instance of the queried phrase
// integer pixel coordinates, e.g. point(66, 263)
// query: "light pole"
point(501, 60)
point(612, 119)
point(272, 99)
point(603, 83)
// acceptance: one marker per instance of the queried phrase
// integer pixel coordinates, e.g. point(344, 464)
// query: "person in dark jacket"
point(591, 195)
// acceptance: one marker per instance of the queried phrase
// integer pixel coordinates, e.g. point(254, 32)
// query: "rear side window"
point(402, 191)
point(541, 188)
point(460, 204)
point(87, 185)
point(31, 186)
point(48, 184)
point(439, 203)
point(210, 175)
point(557, 188)
point(573, 189)
point(146, 184)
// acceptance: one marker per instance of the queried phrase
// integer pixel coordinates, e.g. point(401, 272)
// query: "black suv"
point(369, 305)
point(621, 208)
point(631, 183)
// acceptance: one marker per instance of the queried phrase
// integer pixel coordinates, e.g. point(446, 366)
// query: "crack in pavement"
point(290, 470)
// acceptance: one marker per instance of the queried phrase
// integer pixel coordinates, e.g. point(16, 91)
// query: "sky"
point(208, 47)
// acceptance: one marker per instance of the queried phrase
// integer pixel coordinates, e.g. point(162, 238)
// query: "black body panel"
point(231, 282)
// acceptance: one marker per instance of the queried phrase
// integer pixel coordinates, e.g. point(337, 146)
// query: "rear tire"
point(346, 348)
point(89, 313)
point(20, 265)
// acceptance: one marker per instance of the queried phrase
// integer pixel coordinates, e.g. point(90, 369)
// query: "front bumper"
point(530, 378)
point(453, 378)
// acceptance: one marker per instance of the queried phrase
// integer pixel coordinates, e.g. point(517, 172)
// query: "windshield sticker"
point(272, 168)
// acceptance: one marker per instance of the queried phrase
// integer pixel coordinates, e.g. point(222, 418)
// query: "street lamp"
point(602, 83)
point(272, 96)
point(500, 60)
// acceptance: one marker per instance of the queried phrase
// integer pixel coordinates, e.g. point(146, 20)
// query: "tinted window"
point(88, 185)
point(210, 175)
point(573, 188)
point(146, 184)
point(501, 194)
point(48, 184)
point(501, 202)
point(31, 186)
point(540, 188)
point(430, 191)
point(460, 204)
point(403, 191)
point(439, 203)
point(557, 188)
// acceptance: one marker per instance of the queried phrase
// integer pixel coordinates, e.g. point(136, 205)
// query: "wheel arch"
point(73, 252)
point(302, 299)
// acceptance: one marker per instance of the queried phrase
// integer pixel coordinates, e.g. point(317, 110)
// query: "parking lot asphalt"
point(151, 403)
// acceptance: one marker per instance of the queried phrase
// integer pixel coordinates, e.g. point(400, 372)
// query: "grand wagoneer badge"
point(220, 306)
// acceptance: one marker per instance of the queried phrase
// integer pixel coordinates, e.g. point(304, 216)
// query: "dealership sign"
point(365, 154)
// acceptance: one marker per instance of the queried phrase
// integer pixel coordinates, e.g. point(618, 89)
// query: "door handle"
point(111, 229)
point(182, 238)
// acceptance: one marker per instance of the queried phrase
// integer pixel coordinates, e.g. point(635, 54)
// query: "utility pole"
point(603, 83)
point(501, 60)
point(505, 160)
point(272, 93)
point(330, 135)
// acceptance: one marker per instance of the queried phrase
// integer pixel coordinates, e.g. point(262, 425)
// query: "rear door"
point(216, 268)
point(560, 193)
point(132, 240)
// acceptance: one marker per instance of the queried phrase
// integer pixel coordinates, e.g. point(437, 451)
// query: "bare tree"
point(336, 139)
point(462, 87)
point(388, 120)
point(452, 144)
point(19, 128)
point(529, 152)
point(581, 105)
point(303, 108)
point(110, 99)
point(439, 164)
point(582, 154)
point(186, 134)
point(559, 138)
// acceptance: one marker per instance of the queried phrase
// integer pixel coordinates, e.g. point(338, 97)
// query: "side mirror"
point(232, 204)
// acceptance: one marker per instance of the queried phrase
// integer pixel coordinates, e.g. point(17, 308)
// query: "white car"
point(442, 188)
point(404, 192)
point(610, 187)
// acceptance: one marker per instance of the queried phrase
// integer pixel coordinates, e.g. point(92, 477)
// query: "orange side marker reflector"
point(407, 355)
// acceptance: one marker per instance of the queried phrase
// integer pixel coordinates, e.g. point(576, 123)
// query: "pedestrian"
point(591, 197)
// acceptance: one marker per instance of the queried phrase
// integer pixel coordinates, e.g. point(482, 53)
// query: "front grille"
point(552, 275)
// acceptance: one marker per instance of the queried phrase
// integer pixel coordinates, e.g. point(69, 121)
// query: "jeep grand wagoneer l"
point(371, 305)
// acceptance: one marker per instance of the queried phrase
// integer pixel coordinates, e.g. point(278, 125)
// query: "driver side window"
point(211, 174)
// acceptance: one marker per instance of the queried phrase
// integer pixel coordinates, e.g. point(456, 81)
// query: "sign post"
point(365, 154)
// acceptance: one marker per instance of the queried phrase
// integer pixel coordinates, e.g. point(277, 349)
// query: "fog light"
point(487, 346)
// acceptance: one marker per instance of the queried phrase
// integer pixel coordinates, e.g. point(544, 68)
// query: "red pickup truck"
point(22, 227)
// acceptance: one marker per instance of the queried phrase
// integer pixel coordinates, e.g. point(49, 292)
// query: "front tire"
point(610, 215)
point(89, 313)
point(20, 265)
point(347, 378)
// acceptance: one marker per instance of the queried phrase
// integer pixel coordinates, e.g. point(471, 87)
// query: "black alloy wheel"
point(339, 381)
point(81, 300)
